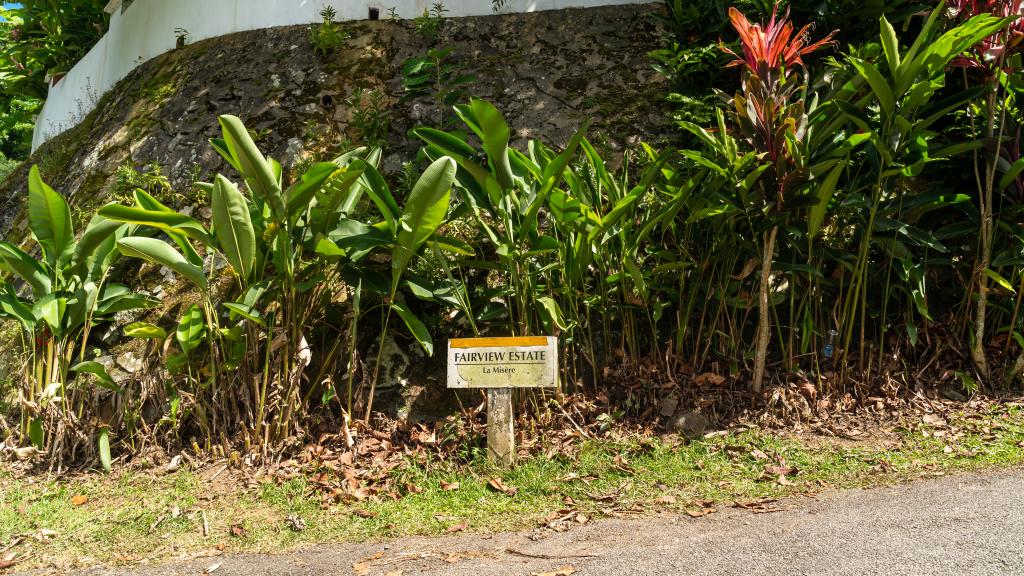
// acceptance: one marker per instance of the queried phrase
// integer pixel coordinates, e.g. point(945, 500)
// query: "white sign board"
point(523, 362)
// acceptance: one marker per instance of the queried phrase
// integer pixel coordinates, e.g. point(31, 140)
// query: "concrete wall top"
point(144, 29)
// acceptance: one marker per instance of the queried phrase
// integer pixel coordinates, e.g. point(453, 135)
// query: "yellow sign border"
point(498, 342)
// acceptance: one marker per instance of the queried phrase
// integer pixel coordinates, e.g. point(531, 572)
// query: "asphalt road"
point(958, 525)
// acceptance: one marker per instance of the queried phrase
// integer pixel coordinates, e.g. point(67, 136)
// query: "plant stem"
point(764, 323)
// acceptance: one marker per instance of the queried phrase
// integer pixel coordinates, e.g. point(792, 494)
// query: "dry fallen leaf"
point(363, 566)
point(449, 485)
point(700, 513)
point(780, 470)
point(563, 571)
point(5, 564)
point(500, 486)
point(79, 499)
point(759, 505)
point(237, 530)
point(458, 527)
point(709, 379)
point(364, 513)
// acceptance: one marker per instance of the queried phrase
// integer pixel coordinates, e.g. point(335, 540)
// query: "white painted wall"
point(146, 29)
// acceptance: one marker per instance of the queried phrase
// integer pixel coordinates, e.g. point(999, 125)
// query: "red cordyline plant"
point(766, 109)
point(772, 46)
point(996, 57)
point(771, 114)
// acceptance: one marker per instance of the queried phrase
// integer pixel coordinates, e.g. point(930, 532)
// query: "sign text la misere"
point(517, 362)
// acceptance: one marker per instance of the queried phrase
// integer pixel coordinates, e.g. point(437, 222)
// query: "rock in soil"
point(950, 392)
point(689, 424)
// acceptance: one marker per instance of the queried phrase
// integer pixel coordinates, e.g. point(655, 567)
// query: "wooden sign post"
point(499, 365)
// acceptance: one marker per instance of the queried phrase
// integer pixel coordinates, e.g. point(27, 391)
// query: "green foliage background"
point(39, 38)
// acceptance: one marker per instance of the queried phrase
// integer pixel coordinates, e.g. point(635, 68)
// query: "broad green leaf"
point(233, 227)
point(958, 148)
point(329, 249)
point(159, 252)
point(709, 212)
point(302, 192)
point(564, 207)
point(258, 172)
point(344, 190)
point(998, 279)
point(171, 222)
point(930, 57)
point(551, 313)
point(816, 215)
point(416, 326)
point(221, 146)
point(494, 134)
point(123, 302)
point(96, 234)
point(891, 45)
point(373, 183)
point(637, 275)
point(1016, 169)
point(191, 329)
point(246, 311)
point(969, 383)
point(857, 116)
point(420, 288)
point(452, 245)
point(13, 308)
point(623, 207)
point(462, 153)
point(104, 449)
point(703, 160)
point(879, 86)
point(50, 308)
point(146, 201)
point(103, 379)
point(357, 237)
point(424, 212)
point(26, 267)
point(36, 433)
point(49, 220)
point(145, 331)
point(553, 175)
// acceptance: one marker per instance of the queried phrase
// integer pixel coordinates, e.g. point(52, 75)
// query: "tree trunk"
point(764, 314)
point(985, 258)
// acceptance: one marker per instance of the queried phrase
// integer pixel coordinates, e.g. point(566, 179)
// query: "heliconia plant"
point(505, 193)
point(68, 295)
point(287, 250)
